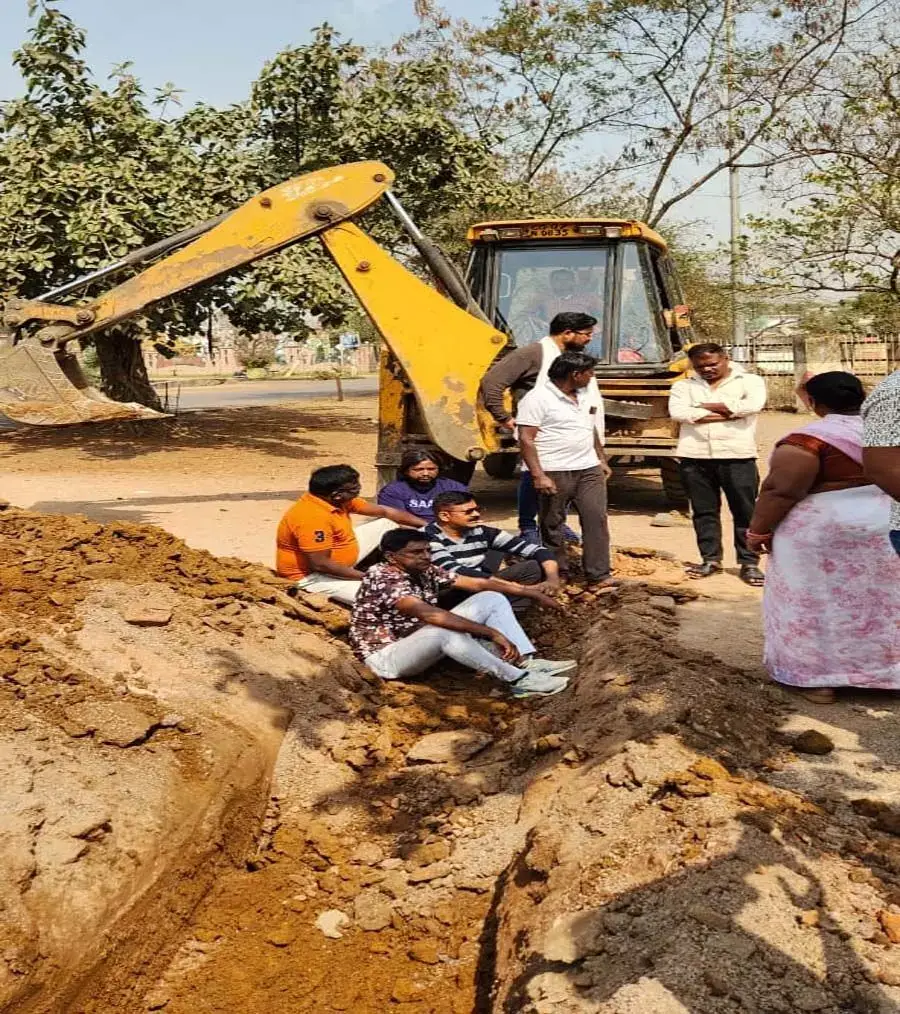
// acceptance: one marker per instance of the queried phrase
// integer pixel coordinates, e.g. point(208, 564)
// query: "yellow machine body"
point(435, 353)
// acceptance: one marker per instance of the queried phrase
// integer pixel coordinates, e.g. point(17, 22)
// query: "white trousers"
point(414, 654)
point(368, 535)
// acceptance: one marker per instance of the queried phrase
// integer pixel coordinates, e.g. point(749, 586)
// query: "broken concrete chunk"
point(447, 747)
point(146, 616)
point(331, 923)
point(117, 723)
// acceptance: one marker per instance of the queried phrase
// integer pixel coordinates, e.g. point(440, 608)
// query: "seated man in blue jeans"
point(398, 630)
point(881, 435)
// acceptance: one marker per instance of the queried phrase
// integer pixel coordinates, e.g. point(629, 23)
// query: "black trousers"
point(522, 572)
point(705, 480)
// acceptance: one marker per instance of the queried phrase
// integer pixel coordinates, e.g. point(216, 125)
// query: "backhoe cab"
point(521, 274)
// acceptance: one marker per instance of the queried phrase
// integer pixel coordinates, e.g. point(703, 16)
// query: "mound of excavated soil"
point(237, 818)
point(48, 562)
point(128, 775)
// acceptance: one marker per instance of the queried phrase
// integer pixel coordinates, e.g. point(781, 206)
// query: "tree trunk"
point(123, 372)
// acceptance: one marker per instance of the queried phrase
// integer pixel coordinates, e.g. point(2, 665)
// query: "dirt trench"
point(263, 827)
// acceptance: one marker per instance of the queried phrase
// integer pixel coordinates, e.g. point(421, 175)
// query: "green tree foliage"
point(92, 172)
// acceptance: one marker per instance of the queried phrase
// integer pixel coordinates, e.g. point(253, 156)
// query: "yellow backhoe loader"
point(436, 347)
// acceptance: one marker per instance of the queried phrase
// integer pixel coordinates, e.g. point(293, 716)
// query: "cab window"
point(639, 336)
point(537, 283)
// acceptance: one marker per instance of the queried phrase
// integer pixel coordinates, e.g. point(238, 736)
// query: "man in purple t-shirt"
point(418, 482)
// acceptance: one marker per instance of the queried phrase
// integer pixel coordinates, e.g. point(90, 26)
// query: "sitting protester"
point(462, 545)
point(418, 482)
point(317, 545)
point(398, 629)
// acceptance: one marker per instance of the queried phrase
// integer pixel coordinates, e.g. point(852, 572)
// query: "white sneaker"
point(550, 667)
point(537, 684)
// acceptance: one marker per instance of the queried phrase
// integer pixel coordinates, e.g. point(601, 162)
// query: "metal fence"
point(784, 360)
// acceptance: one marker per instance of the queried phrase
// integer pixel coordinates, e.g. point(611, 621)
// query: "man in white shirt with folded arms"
point(717, 409)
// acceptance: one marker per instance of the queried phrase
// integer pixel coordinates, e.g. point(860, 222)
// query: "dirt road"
point(221, 478)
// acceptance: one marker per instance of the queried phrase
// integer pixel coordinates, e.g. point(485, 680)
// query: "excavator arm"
point(443, 350)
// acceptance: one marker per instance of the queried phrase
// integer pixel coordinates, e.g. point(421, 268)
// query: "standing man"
point(717, 408)
point(399, 630)
point(317, 545)
point(520, 371)
point(881, 436)
point(561, 430)
point(461, 544)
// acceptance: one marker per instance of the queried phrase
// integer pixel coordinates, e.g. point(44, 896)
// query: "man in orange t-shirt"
point(317, 545)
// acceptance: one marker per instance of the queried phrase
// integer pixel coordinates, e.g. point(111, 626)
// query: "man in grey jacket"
point(519, 372)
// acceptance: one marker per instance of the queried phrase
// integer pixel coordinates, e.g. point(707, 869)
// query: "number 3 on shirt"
point(319, 536)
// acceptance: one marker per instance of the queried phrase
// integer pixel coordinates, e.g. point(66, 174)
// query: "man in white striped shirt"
point(462, 545)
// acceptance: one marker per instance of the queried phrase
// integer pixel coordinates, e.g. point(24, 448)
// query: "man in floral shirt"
point(881, 457)
point(398, 629)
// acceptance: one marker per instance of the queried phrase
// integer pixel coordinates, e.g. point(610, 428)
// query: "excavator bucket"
point(41, 387)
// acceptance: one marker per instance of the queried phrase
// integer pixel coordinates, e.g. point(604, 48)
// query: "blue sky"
point(213, 49)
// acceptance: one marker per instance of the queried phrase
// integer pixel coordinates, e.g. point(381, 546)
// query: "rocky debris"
point(367, 853)
point(49, 562)
point(147, 616)
point(813, 741)
point(332, 922)
point(452, 746)
point(664, 602)
point(890, 923)
point(372, 910)
point(283, 935)
point(117, 723)
point(425, 951)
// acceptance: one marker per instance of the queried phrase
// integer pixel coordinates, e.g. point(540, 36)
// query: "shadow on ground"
point(278, 432)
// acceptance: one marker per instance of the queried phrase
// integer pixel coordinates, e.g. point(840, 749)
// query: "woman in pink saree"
point(831, 605)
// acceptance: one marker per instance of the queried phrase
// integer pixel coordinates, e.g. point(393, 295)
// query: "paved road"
point(266, 392)
point(244, 394)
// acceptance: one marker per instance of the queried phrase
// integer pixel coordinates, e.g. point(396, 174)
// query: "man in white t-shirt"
point(561, 426)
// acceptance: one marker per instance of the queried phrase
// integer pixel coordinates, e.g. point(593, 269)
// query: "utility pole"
point(738, 339)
